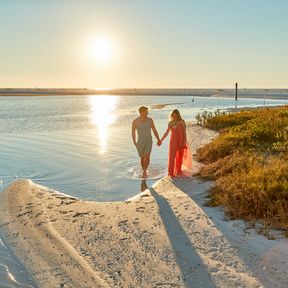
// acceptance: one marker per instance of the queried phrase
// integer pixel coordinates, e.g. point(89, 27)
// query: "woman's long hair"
point(176, 111)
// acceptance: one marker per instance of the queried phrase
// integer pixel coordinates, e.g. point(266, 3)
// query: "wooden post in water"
point(236, 91)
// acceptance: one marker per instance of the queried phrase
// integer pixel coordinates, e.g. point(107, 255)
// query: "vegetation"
point(249, 164)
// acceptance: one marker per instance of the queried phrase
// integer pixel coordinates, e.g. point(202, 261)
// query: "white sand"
point(165, 237)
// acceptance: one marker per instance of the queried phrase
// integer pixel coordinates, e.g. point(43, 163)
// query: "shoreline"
point(88, 244)
point(277, 94)
point(164, 237)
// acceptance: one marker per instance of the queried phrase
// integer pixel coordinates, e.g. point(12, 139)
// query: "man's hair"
point(142, 109)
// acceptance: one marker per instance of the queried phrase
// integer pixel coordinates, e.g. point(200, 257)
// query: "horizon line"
point(137, 88)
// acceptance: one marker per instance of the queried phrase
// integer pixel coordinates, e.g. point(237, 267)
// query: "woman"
point(179, 153)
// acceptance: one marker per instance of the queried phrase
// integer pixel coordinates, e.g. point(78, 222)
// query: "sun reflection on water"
point(103, 115)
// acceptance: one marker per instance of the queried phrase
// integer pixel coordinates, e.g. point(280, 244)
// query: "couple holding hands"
point(179, 156)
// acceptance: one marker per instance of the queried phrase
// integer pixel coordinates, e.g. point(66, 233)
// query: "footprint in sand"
point(80, 214)
point(25, 213)
point(38, 214)
point(63, 212)
point(140, 209)
point(123, 222)
point(136, 221)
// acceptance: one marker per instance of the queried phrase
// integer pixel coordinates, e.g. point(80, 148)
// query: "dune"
point(160, 238)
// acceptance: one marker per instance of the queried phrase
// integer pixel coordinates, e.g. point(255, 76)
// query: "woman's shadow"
point(189, 262)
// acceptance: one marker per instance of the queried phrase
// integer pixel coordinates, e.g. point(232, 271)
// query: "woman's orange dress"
point(180, 157)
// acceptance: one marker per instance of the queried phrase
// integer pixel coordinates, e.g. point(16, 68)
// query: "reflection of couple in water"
point(179, 156)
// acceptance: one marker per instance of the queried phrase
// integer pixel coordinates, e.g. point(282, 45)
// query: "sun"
point(101, 50)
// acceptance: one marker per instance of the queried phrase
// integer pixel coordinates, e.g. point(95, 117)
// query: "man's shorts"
point(144, 147)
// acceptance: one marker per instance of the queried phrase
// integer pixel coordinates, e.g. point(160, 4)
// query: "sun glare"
point(101, 50)
point(103, 115)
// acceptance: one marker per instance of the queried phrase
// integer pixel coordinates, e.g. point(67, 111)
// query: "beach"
point(87, 196)
point(163, 237)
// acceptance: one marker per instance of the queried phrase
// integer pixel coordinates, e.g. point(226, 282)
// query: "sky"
point(143, 44)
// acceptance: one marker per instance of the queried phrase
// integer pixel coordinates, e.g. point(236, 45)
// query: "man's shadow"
point(143, 186)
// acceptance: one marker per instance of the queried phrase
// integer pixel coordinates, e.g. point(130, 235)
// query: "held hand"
point(159, 142)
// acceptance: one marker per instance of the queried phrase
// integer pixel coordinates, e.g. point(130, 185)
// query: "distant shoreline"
point(229, 93)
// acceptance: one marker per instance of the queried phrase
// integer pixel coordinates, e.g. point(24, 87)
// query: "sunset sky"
point(144, 44)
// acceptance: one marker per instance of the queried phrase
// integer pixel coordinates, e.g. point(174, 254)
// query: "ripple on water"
point(12, 273)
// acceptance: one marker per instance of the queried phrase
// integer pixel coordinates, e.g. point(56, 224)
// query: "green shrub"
point(249, 163)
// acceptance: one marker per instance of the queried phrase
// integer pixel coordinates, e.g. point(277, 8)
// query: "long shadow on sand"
point(194, 272)
point(197, 189)
point(193, 187)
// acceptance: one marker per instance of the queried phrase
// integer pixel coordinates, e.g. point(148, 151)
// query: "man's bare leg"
point(143, 162)
point(143, 165)
point(146, 164)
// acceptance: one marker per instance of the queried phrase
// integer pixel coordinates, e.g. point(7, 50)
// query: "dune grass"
point(249, 164)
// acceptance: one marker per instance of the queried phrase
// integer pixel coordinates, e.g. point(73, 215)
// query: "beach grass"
point(248, 163)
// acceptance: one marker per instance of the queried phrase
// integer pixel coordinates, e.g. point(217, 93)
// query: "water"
point(12, 273)
point(81, 145)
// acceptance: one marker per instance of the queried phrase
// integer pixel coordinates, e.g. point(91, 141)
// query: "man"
point(143, 126)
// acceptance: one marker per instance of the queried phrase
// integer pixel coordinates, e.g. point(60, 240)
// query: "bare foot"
point(180, 174)
point(144, 175)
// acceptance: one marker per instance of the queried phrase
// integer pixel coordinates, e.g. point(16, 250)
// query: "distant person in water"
point(179, 157)
point(143, 125)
